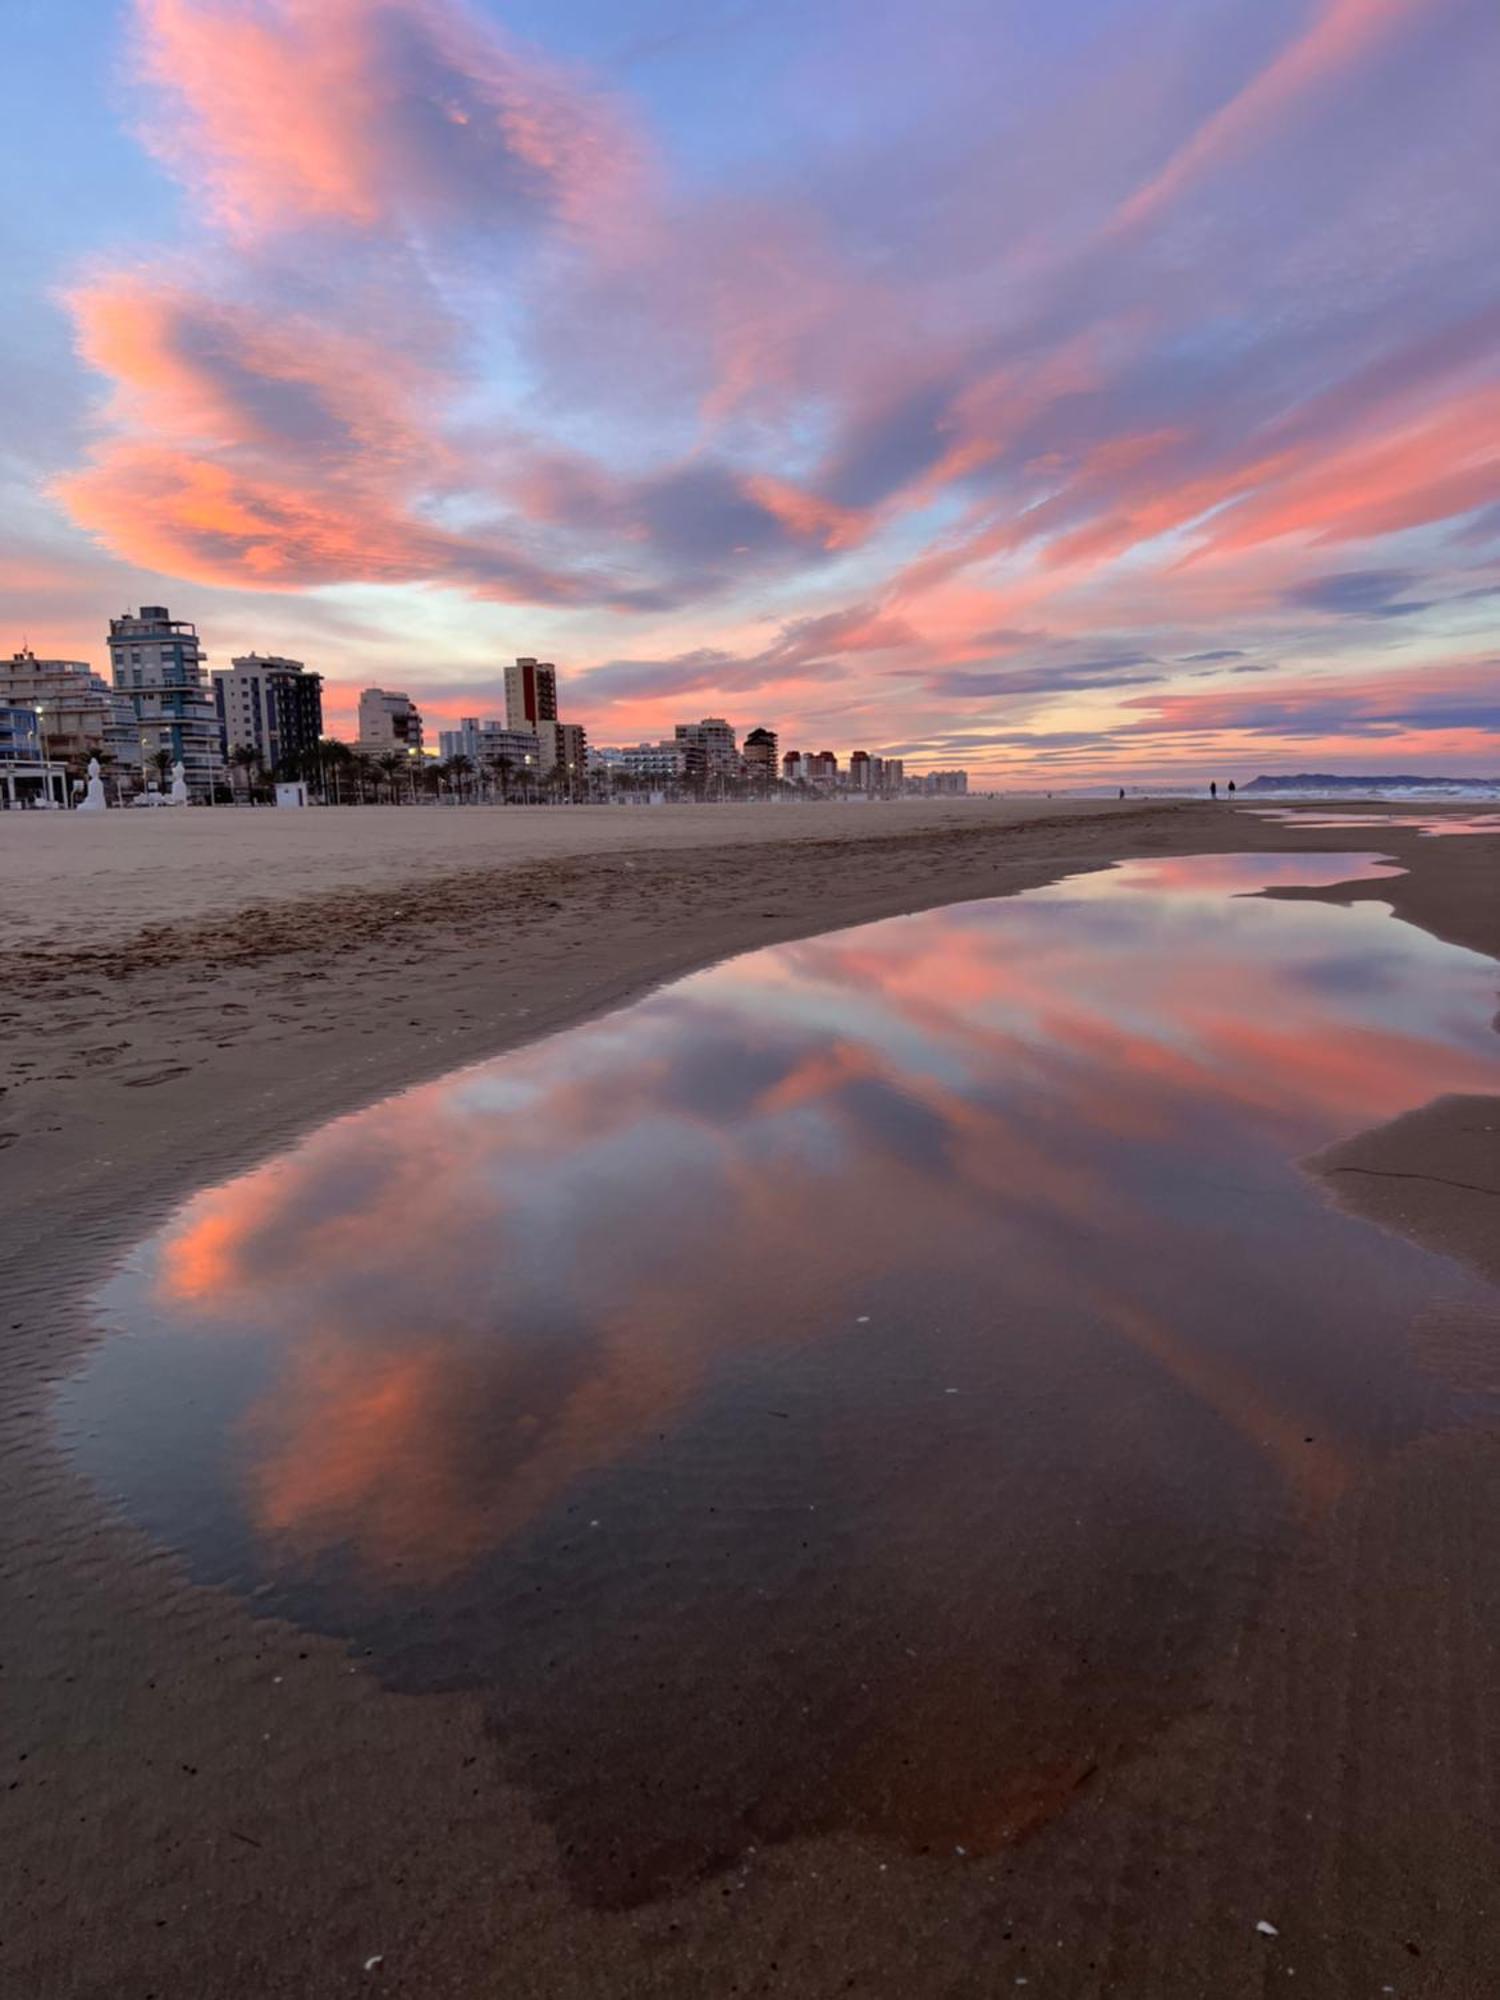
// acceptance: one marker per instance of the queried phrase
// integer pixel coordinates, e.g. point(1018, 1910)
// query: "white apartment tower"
point(157, 663)
point(389, 721)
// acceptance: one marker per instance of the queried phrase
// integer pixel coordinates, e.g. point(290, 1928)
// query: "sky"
point(1101, 390)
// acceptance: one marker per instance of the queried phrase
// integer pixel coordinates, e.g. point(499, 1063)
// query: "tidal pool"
point(1429, 824)
point(863, 1387)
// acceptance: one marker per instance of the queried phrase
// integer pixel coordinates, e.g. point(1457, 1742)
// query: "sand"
point(198, 1803)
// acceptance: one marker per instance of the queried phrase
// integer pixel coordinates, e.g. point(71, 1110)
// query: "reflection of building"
point(270, 705)
point(389, 721)
point(27, 775)
point(530, 693)
point(158, 666)
point(760, 759)
point(81, 717)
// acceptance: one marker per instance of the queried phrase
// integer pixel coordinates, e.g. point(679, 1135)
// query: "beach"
point(202, 1802)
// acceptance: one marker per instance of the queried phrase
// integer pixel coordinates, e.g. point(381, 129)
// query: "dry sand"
point(199, 1804)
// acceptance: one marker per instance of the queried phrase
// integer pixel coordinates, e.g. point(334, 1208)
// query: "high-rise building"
point(825, 768)
point(791, 766)
point(271, 705)
point(947, 784)
point(565, 747)
point(389, 721)
point(893, 777)
point(859, 770)
point(460, 742)
point(530, 693)
point(157, 662)
point(710, 753)
point(760, 759)
point(80, 715)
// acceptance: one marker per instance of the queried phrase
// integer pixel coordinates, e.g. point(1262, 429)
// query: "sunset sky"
point(1073, 390)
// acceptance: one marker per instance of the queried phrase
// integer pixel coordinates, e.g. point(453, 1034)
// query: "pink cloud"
point(1342, 31)
point(808, 516)
point(369, 113)
point(1437, 464)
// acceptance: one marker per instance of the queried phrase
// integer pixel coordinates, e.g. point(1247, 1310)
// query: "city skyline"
point(1113, 394)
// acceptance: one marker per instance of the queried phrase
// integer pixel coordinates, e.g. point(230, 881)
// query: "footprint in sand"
point(155, 1076)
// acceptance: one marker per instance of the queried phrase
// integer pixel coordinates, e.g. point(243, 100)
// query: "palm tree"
point(502, 764)
point(456, 770)
point(245, 757)
point(333, 759)
point(163, 760)
point(390, 764)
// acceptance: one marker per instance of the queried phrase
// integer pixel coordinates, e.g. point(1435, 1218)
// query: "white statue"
point(93, 799)
point(179, 786)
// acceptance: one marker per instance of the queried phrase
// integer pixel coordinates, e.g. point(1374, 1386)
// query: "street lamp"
point(41, 733)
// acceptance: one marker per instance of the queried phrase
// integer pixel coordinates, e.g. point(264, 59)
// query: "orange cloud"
point(272, 452)
point(806, 515)
point(200, 518)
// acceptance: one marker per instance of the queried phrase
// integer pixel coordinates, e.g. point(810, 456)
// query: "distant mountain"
point(1325, 781)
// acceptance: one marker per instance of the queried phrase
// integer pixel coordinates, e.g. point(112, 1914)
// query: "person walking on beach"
point(1213, 788)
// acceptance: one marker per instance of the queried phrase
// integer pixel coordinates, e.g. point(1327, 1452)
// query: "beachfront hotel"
point(81, 716)
point(271, 705)
point(487, 743)
point(760, 759)
point(157, 662)
point(389, 721)
point(28, 777)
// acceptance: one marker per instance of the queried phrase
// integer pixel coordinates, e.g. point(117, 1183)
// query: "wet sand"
point(201, 1803)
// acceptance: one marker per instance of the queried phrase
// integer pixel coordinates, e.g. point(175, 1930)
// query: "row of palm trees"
point(342, 774)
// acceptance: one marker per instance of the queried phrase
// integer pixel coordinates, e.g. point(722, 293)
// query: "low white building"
point(657, 763)
point(28, 777)
point(486, 743)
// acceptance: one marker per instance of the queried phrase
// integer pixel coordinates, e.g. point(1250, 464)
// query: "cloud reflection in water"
point(861, 1386)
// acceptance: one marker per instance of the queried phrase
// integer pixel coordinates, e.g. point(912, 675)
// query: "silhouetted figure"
point(1231, 788)
point(1213, 788)
point(1122, 791)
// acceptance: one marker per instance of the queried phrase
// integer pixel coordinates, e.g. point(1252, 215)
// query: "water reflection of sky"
point(859, 1386)
point(1432, 824)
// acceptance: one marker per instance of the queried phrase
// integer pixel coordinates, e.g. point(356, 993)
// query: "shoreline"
point(297, 1012)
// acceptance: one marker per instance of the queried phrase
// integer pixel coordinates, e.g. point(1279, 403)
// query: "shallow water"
point(867, 1385)
point(1432, 824)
